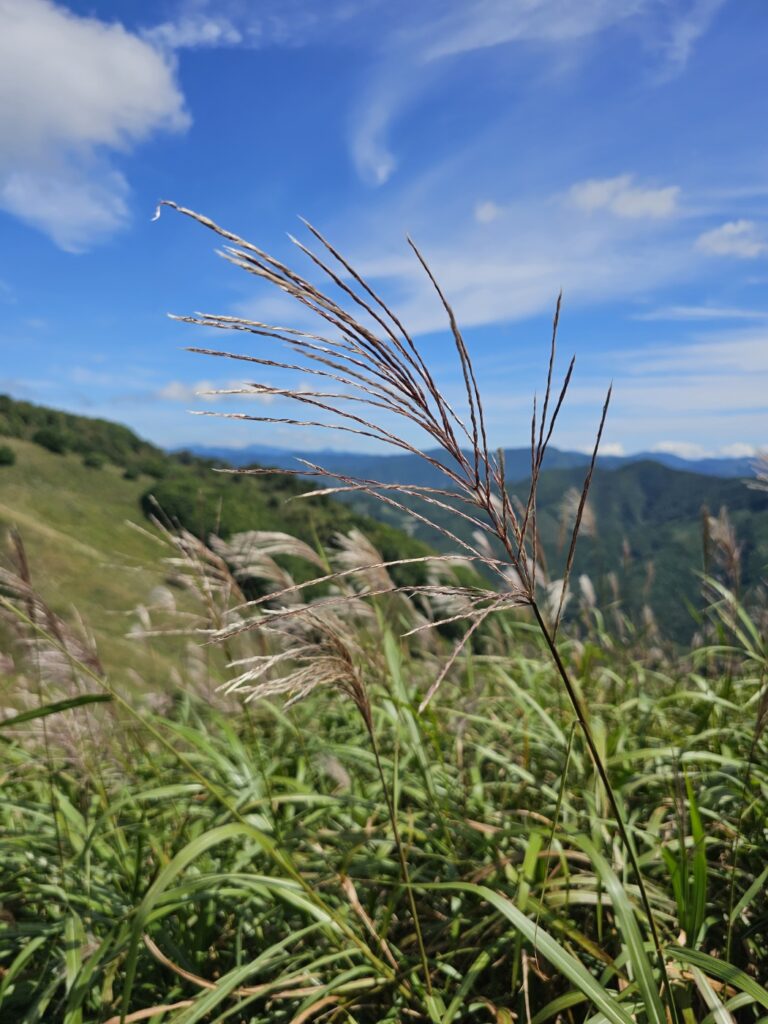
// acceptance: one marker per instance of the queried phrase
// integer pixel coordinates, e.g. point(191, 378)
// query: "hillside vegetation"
point(646, 538)
point(83, 555)
point(94, 439)
point(181, 856)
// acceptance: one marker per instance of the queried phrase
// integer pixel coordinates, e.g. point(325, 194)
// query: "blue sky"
point(612, 148)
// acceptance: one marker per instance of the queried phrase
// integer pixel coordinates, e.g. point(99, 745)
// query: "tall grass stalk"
point(378, 366)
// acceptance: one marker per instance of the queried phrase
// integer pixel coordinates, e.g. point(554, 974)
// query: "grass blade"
point(560, 958)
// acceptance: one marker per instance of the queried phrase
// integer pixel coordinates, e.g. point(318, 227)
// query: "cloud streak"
point(428, 38)
point(209, 391)
point(693, 313)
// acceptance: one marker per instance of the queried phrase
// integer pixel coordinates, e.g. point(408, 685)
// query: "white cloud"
point(76, 211)
point(740, 238)
point(686, 31)
point(479, 24)
point(683, 449)
point(194, 30)
point(702, 313)
point(516, 265)
point(739, 450)
point(180, 391)
point(487, 212)
point(624, 199)
point(74, 90)
point(694, 450)
point(611, 448)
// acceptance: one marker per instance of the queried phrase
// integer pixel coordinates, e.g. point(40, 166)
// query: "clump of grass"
point(247, 866)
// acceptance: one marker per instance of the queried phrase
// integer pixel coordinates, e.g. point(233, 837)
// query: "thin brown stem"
point(400, 854)
point(581, 715)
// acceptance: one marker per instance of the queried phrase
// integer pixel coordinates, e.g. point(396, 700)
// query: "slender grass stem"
point(402, 859)
point(581, 715)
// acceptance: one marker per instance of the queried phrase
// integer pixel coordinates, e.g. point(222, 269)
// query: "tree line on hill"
point(97, 441)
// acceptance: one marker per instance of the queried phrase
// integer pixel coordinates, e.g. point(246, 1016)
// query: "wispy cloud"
point(694, 450)
point(197, 29)
point(508, 261)
point(479, 24)
point(685, 31)
point(190, 24)
point(701, 396)
point(428, 37)
point(743, 351)
point(209, 391)
point(623, 198)
point(487, 212)
point(740, 238)
point(73, 93)
point(694, 313)
point(180, 391)
point(371, 154)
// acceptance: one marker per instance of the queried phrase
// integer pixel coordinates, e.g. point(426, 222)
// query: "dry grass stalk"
point(725, 546)
point(760, 465)
point(53, 665)
point(375, 373)
point(374, 367)
point(55, 660)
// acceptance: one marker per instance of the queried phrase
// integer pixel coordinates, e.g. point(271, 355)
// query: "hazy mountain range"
point(412, 469)
point(651, 527)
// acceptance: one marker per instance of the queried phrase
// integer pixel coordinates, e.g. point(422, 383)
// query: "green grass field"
point(205, 860)
point(84, 555)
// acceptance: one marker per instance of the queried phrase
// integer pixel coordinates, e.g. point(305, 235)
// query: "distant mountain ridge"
point(646, 529)
point(651, 531)
point(411, 469)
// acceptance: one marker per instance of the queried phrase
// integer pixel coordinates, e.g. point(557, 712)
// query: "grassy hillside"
point(83, 553)
point(99, 440)
point(74, 510)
